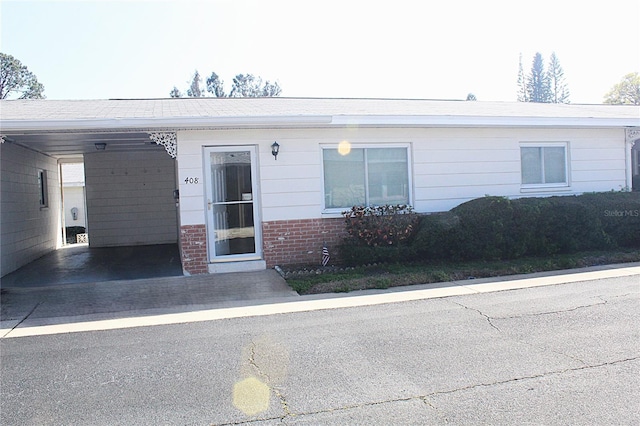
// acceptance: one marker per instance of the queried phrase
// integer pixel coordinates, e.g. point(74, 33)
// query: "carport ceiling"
point(74, 145)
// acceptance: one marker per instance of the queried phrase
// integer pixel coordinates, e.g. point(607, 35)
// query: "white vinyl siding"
point(447, 166)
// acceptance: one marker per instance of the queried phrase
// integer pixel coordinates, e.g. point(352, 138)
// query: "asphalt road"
point(562, 354)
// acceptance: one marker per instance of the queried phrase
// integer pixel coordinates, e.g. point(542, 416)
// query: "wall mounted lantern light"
point(275, 148)
point(101, 146)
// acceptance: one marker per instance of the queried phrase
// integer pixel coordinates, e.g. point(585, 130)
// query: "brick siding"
point(193, 239)
point(291, 242)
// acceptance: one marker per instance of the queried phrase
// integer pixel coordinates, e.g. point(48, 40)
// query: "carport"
point(131, 204)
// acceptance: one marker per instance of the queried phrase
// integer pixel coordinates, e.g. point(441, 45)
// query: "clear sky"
point(429, 49)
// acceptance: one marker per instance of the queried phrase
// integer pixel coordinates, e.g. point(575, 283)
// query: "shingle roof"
point(249, 108)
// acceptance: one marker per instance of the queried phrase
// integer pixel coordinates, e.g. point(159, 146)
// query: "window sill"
point(545, 188)
point(332, 213)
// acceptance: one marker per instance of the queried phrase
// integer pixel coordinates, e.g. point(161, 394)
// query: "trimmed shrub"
point(378, 234)
point(498, 228)
point(619, 214)
point(380, 225)
point(433, 239)
point(494, 228)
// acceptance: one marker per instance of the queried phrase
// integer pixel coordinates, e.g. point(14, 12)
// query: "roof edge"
point(196, 123)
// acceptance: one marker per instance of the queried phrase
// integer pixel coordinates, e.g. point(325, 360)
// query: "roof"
point(150, 114)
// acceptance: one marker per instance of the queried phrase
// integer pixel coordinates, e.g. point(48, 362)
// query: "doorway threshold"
point(239, 266)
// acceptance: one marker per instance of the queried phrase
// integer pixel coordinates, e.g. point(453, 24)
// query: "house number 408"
point(191, 180)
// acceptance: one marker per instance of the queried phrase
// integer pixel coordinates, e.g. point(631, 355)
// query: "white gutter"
point(142, 124)
point(160, 123)
point(483, 121)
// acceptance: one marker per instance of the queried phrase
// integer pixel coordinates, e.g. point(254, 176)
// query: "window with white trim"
point(544, 164)
point(361, 175)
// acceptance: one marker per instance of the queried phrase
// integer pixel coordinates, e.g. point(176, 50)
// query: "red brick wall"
point(291, 242)
point(193, 240)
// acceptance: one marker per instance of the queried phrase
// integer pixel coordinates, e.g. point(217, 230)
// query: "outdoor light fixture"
point(101, 146)
point(275, 148)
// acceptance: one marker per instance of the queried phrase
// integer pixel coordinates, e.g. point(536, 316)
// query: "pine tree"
point(538, 82)
point(558, 90)
point(523, 95)
point(541, 86)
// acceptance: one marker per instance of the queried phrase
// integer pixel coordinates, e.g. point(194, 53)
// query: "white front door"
point(232, 204)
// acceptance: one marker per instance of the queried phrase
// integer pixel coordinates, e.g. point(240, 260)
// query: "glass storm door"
point(231, 203)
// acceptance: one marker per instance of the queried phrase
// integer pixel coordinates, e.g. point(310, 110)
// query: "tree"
point(175, 93)
point(541, 86)
point(538, 82)
point(271, 89)
point(194, 91)
point(244, 86)
point(558, 90)
point(248, 86)
point(215, 86)
point(627, 92)
point(523, 95)
point(17, 79)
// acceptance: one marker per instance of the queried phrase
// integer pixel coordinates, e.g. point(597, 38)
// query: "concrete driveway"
point(55, 304)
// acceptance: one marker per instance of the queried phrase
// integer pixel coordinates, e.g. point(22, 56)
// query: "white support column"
point(631, 136)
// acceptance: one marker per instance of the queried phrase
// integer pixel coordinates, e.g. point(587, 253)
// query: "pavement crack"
point(425, 398)
point(487, 317)
point(562, 311)
point(265, 377)
point(23, 319)
point(531, 377)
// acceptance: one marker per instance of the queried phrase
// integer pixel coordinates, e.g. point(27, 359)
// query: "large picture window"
point(544, 165)
point(365, 176)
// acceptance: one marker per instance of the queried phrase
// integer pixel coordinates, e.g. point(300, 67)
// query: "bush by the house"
point(378, 233)
point(619, 214)
point(495, 228)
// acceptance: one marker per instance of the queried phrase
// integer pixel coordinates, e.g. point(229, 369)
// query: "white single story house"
point(203, 172)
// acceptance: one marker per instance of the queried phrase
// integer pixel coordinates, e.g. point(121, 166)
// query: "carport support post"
point(631, 136)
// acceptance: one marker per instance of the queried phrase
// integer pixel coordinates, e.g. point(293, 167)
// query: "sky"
point(429, 49)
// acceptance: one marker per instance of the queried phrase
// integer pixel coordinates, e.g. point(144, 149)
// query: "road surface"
point(560, 354)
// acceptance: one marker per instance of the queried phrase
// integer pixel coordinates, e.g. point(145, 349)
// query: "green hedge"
point(495, 228)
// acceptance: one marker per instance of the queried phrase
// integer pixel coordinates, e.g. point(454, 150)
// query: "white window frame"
point(532, 187)
point(338, 210)
point(43, 189)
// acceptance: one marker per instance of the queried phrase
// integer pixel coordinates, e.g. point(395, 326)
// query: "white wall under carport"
point(28, 229)
point(130, 198)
